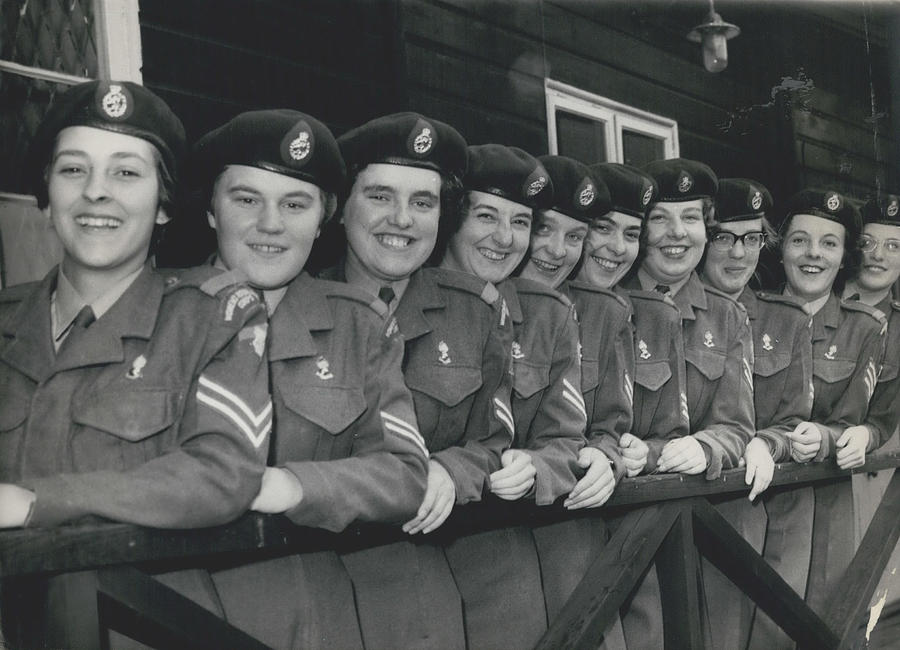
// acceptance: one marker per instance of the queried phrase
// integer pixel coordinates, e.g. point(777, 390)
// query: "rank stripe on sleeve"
point(629, 389)
point(504, 414)
point(404, 429)
point(574, 397)
point(748, 372)
point(255, 426)
point(871, 378)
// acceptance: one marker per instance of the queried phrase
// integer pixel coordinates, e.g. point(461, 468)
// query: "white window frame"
point(614, 116)
point(117, 32)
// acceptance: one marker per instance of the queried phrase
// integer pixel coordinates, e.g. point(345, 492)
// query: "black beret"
point(827, 204)
point(885, 210)
point(281, 140)
point(740, 199)
point(118, 106)
point(508, 172)
point(680, 179)
point(406, 139)
point(631, 190)
point(577, 193)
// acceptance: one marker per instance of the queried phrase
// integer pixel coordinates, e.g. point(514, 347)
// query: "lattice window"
point(46, 45)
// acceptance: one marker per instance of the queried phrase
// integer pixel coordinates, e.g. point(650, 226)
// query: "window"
point(592, 129)
point(48, 45)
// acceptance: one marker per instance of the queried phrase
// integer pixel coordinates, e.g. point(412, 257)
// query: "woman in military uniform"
point(404, 172)
point(128, 394)
point(346, 446)
point(654, 350)
point(782, 376)
point(820, 235)
point(498, 572)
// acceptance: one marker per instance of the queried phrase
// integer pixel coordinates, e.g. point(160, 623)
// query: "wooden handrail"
point(87, 546)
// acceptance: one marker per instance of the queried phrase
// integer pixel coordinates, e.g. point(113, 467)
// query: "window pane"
point(640, 149)
point(55, 35)
point(580, 137)
point(24, 102)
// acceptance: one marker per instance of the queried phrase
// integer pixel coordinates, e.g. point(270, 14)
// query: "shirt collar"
point(66, 301)
point(649, 283)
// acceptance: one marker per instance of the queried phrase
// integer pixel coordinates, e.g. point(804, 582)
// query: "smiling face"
point(556, 245)
point(730, 270)
point(676, 235)
point(103, 191)
point(812, 252)
point(492, 239)
point(610, 249)
point(391, 219)
point(265, 223)
point(880, 267)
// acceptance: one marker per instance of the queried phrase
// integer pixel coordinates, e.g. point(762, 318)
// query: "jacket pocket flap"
point(832, 370)
point(652, 376)
point(449, 385)
point(334, 408)
point(767, 365)
point(710, 364)
point(131, 415)
point(530, 379)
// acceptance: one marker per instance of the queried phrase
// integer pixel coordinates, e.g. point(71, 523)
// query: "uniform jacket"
point(718, 350)
point(548, 408)
point(344, 419)
point(160, 414)
point(607, 367)
point(884, 407)
point(660, 384)
point(847, 342)
point(782, 371)
point(457, 365)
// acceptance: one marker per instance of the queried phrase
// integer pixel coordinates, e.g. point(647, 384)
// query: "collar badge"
point(517, 351)
point(831, 352)
point(767, 342)
point(324, 372)
point(444, 349)
point(708, 339)
point(642, 346)
point(137, 367)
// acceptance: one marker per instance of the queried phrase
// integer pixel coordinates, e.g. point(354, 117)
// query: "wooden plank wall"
point(481, 66)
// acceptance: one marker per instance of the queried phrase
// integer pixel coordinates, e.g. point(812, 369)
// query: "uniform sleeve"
point(884, 409)
point(730, 422)
point(670, 420)
point(384, 479)
point(557, 430)
point(614, 398)
point(214, 469)
point(489, 428)
point(853, 404)
point(796, 400)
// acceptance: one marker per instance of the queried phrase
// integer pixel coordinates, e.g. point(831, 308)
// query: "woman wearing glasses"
point(782, 375)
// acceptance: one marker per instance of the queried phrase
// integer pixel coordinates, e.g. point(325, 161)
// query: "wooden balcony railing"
point(667, 518)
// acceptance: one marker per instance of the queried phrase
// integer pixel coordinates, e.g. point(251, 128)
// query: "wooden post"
point(676, 565)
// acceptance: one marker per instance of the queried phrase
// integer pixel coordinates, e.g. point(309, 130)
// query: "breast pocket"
point(710, 364)
point(132, 415)
point(442, 399)
point(832, 371)
point(652, 376)
point(530, 379)
point(334, 408)
point(769, 365)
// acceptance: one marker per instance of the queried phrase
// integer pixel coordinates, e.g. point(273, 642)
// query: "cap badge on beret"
point(685, 182)
point(893, 208)
point(587, 194)
point(297, 144)
point(648, 194)
point(115, 103)
point(756, 201)
point(421, 139)
point(833, 201)
point(533, 185)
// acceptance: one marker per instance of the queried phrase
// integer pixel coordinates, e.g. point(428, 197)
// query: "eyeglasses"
point(868, 244)
point(724, 240)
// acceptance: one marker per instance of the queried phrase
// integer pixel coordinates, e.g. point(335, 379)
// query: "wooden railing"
point(667, 518)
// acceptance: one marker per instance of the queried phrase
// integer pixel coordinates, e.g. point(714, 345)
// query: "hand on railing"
point(597, 484)
point(280, 491)
point(440, 495)
point(517, 476)
point(851, 447)
point(760, 466)
point(683, 456)
point(15, 504)
point(806, 440)
point(634, 452)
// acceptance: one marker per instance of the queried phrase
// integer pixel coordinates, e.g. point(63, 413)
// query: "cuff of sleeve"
point(875, 438)
point(316, 507)
point(777, 443)
point(655, 447)
point(830, 435)
point(470, 482)
point(55, 502)
point(548, 485)
point(610, 449)
point(713, 460)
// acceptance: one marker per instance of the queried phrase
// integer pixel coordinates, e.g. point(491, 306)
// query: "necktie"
point(855, 296)
point(662, 288)
point(82, 321)
point(386, 294)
